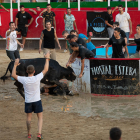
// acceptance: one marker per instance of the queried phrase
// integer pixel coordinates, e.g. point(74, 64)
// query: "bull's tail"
point(4, 77)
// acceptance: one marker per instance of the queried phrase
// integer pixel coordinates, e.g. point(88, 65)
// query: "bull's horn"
point(73, 73)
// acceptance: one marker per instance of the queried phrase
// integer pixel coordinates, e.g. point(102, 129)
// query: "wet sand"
point(83, 117)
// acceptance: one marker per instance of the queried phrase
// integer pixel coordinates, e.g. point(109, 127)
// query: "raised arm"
point(114, 9)
point(14, 75)
point(4, 8)
point(33, 11)
point(42, 12)
point(57, 39)
point(46, 67)
point(40, 42)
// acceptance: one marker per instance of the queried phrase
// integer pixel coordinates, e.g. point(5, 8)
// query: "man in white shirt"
point(124, 21)
point(31, 86)
point(11, 42)
point(69, 20)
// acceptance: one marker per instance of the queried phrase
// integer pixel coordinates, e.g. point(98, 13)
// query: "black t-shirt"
point(109, 18)
point(85, 53)
point(137, 41)
point(117, 45)
point(23, 18)
point(81, 41)
point(49, 16)
point(122, 34)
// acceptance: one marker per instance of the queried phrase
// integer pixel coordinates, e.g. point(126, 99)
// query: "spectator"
point(69, 20)
point(117, 43)
point(109, 20)
point(115, 133)
point(124, 20)
point(49, 15)
point(65, 35)
point(38, 9)
point(3, 7)
point(22, 26)
point(11, 42)
point(48, 35)
point(89, 44)
point(31, 86)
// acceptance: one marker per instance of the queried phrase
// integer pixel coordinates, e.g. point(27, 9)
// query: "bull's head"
point(71, 75)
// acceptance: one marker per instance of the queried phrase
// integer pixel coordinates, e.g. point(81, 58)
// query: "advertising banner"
point(96, 24)
point(115, 77)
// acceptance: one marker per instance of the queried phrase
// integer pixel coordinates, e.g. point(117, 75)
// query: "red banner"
point(37, 26)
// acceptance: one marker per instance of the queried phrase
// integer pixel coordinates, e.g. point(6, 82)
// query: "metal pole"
point(18, 5)
point(126, 6)
point(68, 3)
point(78, 5)
point(108, 2)
point(138, 4)
point(48, 1)
point(11, 11)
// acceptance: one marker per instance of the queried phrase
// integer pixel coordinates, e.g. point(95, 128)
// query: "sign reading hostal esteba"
point(116, 77)
point(96, 24)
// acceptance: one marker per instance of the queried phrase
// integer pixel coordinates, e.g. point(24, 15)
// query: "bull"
point(54, 74)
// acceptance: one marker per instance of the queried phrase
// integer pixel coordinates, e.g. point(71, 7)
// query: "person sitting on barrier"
point(55, 90)
point(81, 52)
point(117, 43)
point(115, 133)
point(65, 35)
point(89, 44)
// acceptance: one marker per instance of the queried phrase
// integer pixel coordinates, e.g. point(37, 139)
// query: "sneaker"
point(29, 136)
point(21, 49)
point(39, 137)
point(65, 50)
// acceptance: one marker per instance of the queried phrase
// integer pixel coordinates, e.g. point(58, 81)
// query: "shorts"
point(13, 54)
point(52, 53)
point(23, 30)
point(35, 107)
point(119, 56)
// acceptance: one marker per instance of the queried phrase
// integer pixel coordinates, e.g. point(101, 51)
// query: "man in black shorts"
point(31, 86)
point(117, 43)
point(81, 52)
point(22, 18)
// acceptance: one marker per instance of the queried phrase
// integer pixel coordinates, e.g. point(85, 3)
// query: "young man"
point(109, 20)
point(117, 43)
point(3, 7)
point(22, 18)
point(89, 44)
point(48, 34)
point(82, 52)
point(65, 35)
point(38, 9)
point(31, 86)
point(49, 15)
point(69, 20)
point(11, 42)
point(115, 133)
point(124, 21)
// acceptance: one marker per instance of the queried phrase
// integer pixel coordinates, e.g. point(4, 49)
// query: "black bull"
point(54, 74)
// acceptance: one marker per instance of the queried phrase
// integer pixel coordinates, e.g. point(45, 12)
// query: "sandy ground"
point(58, 125)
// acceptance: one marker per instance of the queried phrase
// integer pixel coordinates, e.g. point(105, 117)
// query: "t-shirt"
point(68, 44)
point(80, 41)
point(117, 45)
point(69, 22)
point(85, 53)
point(31, 87)
point(122, 34)
point(123, 21)
point(49, 16)
point(90, 46)
point(0, 4)
point(23, 18)
point(11, 43)
point(109, 18)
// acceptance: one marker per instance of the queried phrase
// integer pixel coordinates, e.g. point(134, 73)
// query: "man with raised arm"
point(31, 86)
